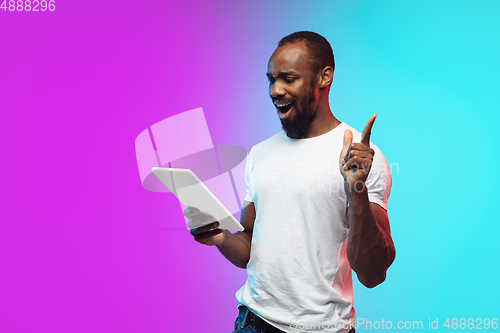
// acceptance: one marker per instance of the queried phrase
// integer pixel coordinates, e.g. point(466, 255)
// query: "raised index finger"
point(367, 131)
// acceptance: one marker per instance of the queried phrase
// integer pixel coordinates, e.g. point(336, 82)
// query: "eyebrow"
point(282, 73)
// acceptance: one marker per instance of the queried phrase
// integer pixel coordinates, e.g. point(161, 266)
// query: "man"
point(316, 205)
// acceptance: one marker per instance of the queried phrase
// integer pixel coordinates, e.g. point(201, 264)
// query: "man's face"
point(292, 87)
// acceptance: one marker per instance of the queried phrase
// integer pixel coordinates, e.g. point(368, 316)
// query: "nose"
point(275, 90)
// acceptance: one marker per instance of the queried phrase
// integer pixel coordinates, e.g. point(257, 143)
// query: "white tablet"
point(191, 191)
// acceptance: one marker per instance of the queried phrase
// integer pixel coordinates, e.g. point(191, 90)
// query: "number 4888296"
point(28, 5)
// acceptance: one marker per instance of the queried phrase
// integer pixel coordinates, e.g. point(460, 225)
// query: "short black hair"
point(319, 48)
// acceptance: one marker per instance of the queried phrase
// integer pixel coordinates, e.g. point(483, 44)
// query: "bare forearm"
point(370, 249)
point(236, 248)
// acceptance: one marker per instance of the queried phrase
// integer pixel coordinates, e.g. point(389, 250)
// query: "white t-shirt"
point(299, 278)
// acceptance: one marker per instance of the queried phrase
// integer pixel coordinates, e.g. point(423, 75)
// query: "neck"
point(323, 122)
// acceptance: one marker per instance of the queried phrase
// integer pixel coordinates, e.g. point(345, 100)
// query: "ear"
point(325, 77)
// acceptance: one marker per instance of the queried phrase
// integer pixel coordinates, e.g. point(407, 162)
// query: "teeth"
point(282, 105)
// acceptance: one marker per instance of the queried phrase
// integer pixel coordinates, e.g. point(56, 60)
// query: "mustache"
point(283, 101)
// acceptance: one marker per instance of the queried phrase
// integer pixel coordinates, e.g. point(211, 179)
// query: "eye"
point(289, 79)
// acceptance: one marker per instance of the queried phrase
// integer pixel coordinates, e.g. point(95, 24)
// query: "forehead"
point(290, 57)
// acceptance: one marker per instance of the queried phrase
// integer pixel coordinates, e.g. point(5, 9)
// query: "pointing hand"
point(356, 158)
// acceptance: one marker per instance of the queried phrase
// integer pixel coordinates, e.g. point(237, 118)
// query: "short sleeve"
point(379, 180)
point(248, 170)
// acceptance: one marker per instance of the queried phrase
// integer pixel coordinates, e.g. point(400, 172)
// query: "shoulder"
point(268, 145)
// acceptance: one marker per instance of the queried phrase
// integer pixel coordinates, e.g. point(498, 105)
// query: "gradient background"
point(84, 248)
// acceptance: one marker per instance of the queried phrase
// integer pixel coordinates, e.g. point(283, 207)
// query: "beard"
point(297, 126)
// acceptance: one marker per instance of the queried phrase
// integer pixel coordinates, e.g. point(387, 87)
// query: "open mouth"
point(283, 108)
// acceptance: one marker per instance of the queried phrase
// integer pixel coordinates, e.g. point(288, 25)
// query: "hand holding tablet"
point(191, 191)
point(207, 234)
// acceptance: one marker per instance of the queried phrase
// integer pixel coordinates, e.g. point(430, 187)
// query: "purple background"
point(84, 248)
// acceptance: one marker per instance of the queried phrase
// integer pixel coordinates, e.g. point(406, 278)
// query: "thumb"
point(347, 144)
